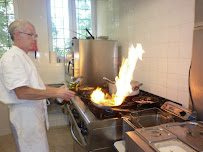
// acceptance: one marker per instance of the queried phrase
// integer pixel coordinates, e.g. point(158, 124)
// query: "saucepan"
point(112, 87)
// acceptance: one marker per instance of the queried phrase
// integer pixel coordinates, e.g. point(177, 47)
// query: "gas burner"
point(103, 113)
point(161, 99)
point(130, 105)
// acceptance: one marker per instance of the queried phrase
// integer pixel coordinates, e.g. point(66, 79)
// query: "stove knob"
point(74, 111)
point(81, 124)
point(68, 102)
point(84, 131)
point(182, 113)
point(76, 115)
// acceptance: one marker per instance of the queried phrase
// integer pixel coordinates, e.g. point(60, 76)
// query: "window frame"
point(72, 20)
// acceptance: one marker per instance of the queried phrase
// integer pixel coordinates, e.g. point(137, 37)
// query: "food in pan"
point(144, 101)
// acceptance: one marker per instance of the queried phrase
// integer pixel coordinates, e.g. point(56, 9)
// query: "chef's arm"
point(28, 93)
point(49, 87)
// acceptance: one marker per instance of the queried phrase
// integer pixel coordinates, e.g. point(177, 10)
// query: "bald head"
point(17, 25)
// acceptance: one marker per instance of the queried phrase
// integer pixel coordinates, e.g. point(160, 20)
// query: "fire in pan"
point(137, 102)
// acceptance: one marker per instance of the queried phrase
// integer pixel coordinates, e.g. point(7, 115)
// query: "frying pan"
point(111, 108)
point(146, 101)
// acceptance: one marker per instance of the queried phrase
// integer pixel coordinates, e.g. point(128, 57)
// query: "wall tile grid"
point(51, 73)
point(165, 30)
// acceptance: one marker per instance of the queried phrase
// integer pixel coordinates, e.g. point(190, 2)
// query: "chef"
point(22, 88)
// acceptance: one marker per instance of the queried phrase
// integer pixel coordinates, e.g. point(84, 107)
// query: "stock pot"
point(135, 87)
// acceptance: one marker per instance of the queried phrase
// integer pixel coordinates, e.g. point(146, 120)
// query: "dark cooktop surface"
point(128, 105)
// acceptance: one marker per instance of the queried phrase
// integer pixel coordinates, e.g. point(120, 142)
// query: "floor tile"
point(59, 139)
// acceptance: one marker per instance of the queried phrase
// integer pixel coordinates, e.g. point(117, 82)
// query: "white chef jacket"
point(27, 116)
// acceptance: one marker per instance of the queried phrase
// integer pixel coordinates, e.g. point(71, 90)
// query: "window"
point(60, 22)
point(60, 25)
point(83, 18)
point(6, 17)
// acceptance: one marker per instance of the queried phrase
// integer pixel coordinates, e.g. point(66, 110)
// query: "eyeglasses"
point(34, 36)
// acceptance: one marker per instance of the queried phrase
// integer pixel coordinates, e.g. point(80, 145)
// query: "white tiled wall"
point(51, 73)
point(165, 30)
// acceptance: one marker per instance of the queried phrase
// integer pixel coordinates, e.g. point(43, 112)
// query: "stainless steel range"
point(91, 133)
point(96, 129)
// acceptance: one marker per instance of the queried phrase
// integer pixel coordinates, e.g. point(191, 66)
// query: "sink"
point(152, 117)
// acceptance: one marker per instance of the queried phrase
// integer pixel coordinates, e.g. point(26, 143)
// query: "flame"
point(101, 98)
point(97, 95)
point(122, 80)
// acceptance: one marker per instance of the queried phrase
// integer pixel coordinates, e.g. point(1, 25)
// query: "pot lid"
point(155, 134)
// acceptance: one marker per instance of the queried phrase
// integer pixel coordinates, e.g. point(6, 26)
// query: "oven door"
point(75, 130)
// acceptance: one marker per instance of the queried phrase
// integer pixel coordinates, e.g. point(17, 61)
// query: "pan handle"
point(121, 110)
point(73, 135)
point(137, 87)
point(69, 63)
point(106, 79)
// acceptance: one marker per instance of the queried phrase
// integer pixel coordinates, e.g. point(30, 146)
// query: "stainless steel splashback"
point(92, 59)
point(196, 83)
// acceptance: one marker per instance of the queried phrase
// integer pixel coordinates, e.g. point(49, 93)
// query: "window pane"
point(6, 17)
point(60, 25)
point(60, 22)
point(83, 15)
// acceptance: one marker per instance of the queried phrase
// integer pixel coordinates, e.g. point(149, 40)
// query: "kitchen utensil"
point(112, 87)
point(112, 108)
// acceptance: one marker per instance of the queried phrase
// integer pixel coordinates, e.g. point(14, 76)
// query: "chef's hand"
point(65, 94)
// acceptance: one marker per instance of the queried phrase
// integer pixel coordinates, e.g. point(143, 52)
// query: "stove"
point(101, 113)
point(96, 129)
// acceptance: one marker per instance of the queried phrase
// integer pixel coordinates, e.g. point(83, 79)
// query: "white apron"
point(28, 127)
point(27, 117)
